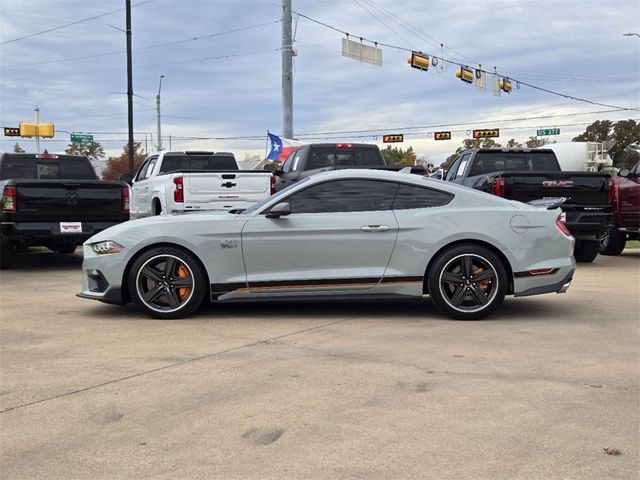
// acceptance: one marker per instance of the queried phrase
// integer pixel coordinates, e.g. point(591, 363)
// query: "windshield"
point(259, 205)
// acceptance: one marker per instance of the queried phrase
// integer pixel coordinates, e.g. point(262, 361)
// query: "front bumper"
point(103, 275)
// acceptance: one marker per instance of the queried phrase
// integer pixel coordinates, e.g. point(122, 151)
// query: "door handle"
point(375, 228)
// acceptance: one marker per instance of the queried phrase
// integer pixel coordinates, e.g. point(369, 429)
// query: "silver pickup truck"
point(173, 182)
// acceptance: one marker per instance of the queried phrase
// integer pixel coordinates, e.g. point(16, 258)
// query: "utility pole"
point(158, 109)
point(129, 87)
point(287, 71)
point(37, 110)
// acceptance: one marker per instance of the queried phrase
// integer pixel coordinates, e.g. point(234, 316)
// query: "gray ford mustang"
point(361, 234)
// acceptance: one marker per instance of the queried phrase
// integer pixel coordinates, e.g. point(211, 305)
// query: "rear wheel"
point(613, 242)
point(7, 252)
point(586, 251)
point(167, 282)
point(467, 282)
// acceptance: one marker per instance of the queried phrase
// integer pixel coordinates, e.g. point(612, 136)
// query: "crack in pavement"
point(165, 367)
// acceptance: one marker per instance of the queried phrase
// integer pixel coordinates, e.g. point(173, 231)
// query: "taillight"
point(273, 184)
point(560, 225)
point(125, 199)
point(498, 187)
point(178, 193)
point(344, 145)
point(9, 199)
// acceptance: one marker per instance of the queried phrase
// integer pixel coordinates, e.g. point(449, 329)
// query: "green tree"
point(468, 144)
point(622, 140)
point(18, 149)
point(117, 166)
point(392, 155)
point(91, 150)
point(535, 142)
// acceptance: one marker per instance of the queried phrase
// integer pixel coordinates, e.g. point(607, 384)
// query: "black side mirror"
point(126, 177)
point(624, 172)
point(280, 210)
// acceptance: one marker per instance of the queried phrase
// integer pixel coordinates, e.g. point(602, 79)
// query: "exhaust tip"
point(565, 287)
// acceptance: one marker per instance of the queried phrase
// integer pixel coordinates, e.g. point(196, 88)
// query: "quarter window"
point(344, 196)
point(410, 196)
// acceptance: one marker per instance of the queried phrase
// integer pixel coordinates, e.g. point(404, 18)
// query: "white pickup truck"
point(173, 182)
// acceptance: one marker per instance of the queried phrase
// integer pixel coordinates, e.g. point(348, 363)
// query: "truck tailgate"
point(73, 200)
point(582, 188)
point(239, 186)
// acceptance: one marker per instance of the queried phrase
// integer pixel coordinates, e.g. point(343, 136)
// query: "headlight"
point(108, 246)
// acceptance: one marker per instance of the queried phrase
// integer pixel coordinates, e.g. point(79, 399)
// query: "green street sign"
point(548, 131)
point(81, 138)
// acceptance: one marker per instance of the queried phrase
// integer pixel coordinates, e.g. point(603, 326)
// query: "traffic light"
point(419, 60)
point(43, 130)
point(11, 132)
point(505, 85)
point(393, 138)
point(442, 136)
point(465, 74)
point(486, 133)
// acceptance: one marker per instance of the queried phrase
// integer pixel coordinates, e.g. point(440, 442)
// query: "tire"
point(167, 282)
point(586, 251)
point(612, 242)
point(157, 208)
point(454, 290)
point(7, 253)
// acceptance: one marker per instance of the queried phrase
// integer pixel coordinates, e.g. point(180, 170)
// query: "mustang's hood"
point(172, 225)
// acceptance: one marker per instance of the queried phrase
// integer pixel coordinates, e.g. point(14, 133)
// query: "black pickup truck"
point(319, 157)
point(527, 175)
point(56, 201)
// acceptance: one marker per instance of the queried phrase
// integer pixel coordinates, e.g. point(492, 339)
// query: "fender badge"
point(228, 244)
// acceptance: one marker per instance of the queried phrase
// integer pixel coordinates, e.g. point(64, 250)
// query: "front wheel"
point(467, 282)
point(167, 282)
point(613, 242)
point(586, 251)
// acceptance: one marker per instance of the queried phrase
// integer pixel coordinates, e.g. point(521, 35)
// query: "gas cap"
point(519, 223)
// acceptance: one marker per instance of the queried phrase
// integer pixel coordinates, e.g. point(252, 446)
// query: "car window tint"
point(211, 163)
point(488, 162)
point(410, 196)
point(462, 166)
point(321, 157)
point(344, 196)
point(152, 163)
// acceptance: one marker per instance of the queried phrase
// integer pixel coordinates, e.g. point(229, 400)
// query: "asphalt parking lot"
point(341, 390)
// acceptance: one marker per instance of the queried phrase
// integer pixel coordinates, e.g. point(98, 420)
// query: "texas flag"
point(281, 147)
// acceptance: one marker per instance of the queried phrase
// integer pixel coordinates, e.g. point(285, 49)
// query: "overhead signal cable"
point(59, 27)
point(514, 80)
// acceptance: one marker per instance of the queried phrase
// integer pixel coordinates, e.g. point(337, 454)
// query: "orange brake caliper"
point(183, 291)
point(483, 285)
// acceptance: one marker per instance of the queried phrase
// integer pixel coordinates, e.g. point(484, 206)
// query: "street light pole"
point(287, 71)
point(158, 110)
point(129, 87)
point(37, 110)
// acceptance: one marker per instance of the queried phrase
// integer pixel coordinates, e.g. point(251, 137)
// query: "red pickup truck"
point(624, 196)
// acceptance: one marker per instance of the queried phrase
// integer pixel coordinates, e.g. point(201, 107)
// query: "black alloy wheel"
point(167, 283)
point(467, 282)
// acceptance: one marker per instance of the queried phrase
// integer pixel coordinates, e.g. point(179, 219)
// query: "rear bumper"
point(560, 286)
point(48, 233)
point(588, 224)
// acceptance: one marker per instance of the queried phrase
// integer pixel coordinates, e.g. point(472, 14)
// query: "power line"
point(59, 27)
point(148, 47)
point(517, 81)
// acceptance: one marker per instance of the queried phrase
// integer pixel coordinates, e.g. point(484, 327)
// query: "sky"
point(221, 62)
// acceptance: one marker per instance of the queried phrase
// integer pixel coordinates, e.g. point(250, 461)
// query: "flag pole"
point(266, 147)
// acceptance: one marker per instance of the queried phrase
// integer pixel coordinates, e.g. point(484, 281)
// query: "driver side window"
point(344, 196)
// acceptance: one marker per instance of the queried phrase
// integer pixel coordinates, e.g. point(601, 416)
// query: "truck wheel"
point(7, 252)
point(613, 242)
point(157, 208)
point(586, 251)
point(167, 282)
point(467, 282)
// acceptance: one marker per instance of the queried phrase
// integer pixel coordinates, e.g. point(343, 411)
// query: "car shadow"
point(43, 259)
